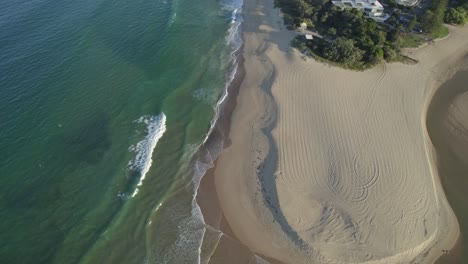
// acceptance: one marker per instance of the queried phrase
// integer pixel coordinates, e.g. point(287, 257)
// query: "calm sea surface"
point(103, 105)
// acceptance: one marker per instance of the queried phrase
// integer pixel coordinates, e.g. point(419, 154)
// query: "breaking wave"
point(193, 231)
point(155, 128)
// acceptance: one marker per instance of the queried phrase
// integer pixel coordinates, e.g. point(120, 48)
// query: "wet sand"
point(447, 124)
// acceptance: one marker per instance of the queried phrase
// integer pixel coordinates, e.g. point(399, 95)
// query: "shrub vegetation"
point(433, 19)
point(457, 16)
point(350, 39)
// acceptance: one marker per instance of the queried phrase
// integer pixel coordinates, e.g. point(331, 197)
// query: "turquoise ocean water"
point(104, 106)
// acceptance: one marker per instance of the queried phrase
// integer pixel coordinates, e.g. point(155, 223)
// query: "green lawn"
point(410, 40)
point(442, 32)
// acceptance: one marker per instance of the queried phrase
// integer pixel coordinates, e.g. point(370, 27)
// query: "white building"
point(407, 2)
point(371, 8)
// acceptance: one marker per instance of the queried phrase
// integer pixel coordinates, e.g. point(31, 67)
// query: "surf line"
point(155, 128)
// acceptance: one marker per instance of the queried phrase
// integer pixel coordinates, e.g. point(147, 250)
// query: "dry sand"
point(333, 166)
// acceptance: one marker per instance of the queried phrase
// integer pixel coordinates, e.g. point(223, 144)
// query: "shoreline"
point(245, 197)
point(229, 249)
point(449, 146)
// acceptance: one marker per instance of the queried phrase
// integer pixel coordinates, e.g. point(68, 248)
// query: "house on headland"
point(371, 8)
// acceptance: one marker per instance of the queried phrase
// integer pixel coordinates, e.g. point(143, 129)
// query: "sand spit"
point(333, 166)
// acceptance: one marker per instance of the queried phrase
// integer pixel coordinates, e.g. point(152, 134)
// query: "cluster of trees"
point(457, 15)
point(433, 18)
point(437, 14)
point(343, 50)
point(412, 24)
point(350, 39)
point(297, 11)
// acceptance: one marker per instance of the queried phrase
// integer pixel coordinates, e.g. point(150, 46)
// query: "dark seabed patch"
point(86, 143)
point(76, 77)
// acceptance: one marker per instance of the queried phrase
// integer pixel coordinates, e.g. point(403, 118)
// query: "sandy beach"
point(327, 165)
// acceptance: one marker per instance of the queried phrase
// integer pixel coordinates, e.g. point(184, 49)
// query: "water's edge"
point(448, 168)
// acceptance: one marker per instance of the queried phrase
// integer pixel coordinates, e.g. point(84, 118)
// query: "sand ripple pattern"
point(334, 166)
point(352, 156)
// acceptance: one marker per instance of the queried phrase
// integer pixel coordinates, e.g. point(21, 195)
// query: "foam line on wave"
point(155, 128)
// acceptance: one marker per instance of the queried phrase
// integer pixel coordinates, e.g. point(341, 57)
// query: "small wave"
point(205, 95)
point(234, 40)
point(194, 229)
point(155, 128)
point(173, 18)
point(233, 37)
point(209, 151)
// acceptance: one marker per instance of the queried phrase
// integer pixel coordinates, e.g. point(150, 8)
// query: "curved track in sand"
point(348, 149)
point(348, 175)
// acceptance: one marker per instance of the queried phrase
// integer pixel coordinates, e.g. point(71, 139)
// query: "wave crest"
point(155, 128)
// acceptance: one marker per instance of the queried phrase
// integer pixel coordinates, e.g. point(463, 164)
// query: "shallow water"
point(447, 125)
point(84, 88)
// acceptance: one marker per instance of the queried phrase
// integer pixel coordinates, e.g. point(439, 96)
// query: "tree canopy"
point(352, 39)
point(342, 50)
point(456, 16)
point(433, 18)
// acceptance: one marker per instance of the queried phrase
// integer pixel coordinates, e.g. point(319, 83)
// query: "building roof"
point(309, 37)
point(407, 2)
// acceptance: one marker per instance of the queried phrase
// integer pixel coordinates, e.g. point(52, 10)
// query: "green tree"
point(389, 53)
point(379, 38)
point(366, 41)
point(342, 50)
point(433, 18)
point(399, 27)
point(392, 35)
point(428, 24)
point(378, 53)
point(456, 16)
point(359, 42)
point(412, 24)
point(304, 8)
point(324, 17)
point(392, 3)
point(376, 56)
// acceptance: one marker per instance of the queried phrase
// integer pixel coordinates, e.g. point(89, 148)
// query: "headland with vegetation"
point(349, 39)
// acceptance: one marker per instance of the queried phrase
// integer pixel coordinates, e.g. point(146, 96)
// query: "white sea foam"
point(234, 40)
point(233, 37)
point(210, 153)
point(173, 18)
point(205, 94)
point(193, 229)
point(155, 128)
